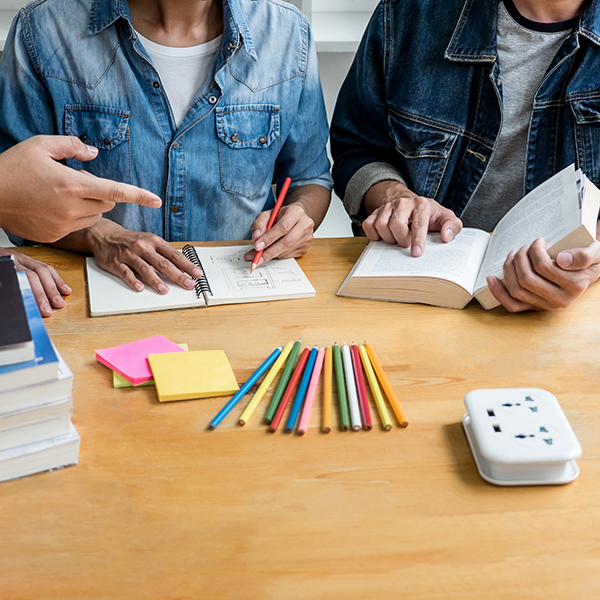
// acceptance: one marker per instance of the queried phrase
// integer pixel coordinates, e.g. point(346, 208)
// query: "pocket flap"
point(98, 126)
point(248, 126)
point(586, 111)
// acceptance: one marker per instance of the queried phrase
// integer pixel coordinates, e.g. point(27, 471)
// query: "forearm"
point(314, 200)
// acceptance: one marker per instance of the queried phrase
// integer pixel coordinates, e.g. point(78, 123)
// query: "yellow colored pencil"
point(327, 386)
point(264, 386)
point(375, 389)
point(387, 387)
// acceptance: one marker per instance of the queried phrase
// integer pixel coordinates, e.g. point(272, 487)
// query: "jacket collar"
point(103, 14)
point(474, 37)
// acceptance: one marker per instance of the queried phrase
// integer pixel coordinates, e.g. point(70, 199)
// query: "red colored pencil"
point(361, 388)
point(289, 390)
point(284, 188)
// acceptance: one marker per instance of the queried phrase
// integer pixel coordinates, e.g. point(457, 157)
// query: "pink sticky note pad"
point(131, 360)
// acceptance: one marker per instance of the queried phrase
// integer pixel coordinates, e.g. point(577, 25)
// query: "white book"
point(32, 396)
point(226, 280)
point(29, 416)
point(36, 431)
point(41, 456)
point(563, 210)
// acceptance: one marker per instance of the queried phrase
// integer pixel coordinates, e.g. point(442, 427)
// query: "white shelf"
point(6, 18)
point(338, 31)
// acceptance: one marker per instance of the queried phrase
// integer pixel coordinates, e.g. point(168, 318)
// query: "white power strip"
point(520, 436)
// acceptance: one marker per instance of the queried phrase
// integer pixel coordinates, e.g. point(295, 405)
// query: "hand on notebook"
point(133, 255)
point(399, 216)
point(43, 200)
point(533, 281)
point(47, 285)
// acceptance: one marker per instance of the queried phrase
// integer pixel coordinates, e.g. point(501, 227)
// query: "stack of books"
point(36, 433)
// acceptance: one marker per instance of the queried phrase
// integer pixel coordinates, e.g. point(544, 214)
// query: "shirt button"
point(107, 141)
point(83, 137)
point(156, 84)
point(235, 137)
point(212, 99)
point(174, 209)
point(262, 139)
point(175, 145)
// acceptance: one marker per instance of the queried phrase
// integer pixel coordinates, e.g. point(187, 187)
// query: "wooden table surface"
point(161, 508)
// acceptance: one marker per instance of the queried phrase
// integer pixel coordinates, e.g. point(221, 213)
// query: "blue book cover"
point(45, 365)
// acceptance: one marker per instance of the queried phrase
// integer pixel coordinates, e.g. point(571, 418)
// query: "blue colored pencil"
point(301, 391)
point(245, 388)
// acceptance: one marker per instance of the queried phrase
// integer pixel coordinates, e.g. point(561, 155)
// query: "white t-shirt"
point(182, 71)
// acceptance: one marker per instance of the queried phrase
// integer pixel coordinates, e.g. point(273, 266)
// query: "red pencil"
point(284, 188)
point(361, 388)
point(289, 390)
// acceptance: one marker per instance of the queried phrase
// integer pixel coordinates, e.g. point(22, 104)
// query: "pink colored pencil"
point(361, 388)
point(310, 393)
point(289, 390)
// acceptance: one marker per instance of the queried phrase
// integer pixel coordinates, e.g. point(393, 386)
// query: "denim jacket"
point(423, 102)
point(77, 68)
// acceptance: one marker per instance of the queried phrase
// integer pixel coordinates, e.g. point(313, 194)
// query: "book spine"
point(202, 285)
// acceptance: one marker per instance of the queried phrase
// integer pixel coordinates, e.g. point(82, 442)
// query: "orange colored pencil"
point(289, 390)
point(387, 387)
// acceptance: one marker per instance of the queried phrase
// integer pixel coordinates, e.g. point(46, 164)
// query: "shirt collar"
point(236, 32)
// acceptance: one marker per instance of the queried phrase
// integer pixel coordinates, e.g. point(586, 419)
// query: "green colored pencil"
point(341, 388)
point(285, 377)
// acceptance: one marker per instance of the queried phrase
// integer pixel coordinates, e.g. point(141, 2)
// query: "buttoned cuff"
point(361, 182)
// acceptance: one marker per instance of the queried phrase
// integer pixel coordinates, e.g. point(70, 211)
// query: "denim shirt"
point(77, 68)
point(423, 99)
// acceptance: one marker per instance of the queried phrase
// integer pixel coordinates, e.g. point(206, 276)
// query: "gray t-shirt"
point(524, 56)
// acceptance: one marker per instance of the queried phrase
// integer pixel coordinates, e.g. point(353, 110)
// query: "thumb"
point(68, 146)
point(579, 258)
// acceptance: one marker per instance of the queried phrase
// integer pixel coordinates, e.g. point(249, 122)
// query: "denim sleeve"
point(303, 156)
point(359, 129)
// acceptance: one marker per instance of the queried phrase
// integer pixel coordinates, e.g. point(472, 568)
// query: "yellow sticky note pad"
point(189, 375)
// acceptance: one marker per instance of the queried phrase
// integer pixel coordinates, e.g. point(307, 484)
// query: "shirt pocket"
point(587, 136)
point(248, 146)
point(107, 129)
point(425, 146)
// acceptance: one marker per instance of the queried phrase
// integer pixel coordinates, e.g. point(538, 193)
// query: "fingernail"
point(491, 282)
point(197, 273)
point(256, 234)
point(416, 250)
point(189, 283)
point(450, 235)
point(564, 259)
point(162, 288)
point(92, 150)
point(260, 246)
point(68, 290)
point(59, 301)
point(138, 286)
point(46, 308)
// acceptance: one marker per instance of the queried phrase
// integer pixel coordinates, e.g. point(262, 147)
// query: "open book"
point(563, 210)
point(226, 280)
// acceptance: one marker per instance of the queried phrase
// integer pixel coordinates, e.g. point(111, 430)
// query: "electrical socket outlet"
point(520, 436)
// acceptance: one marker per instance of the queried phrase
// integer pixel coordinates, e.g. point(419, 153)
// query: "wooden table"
point(161, 508)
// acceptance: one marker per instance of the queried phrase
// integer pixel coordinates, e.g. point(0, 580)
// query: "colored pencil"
point(301, 393)
point(341, 388)
point(283, 381)
point(375, 389)
point(311, 392)
point(289, 390)
point(327, 385)
point(351, 388)
point(264, 386)
point(245, 388)
point(361, 389)
point(276, 208)
point(387, 387)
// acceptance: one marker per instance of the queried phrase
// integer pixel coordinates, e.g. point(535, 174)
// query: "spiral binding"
point(202, 286)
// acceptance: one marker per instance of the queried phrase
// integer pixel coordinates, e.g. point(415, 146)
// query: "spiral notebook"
point(226, 280)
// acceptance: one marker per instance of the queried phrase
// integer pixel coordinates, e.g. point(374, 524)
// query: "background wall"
point(337, 25)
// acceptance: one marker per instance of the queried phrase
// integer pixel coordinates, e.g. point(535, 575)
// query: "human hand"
point(131, 255)
point(533, 281)
point(289, 237)
point(43, 200)
point(399, 216)
point(47, 285)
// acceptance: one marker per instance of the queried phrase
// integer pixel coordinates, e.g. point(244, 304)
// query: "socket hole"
point(497, 428)
point(491, 413)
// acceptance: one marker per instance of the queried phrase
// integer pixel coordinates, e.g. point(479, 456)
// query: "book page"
point(549, 211)
point(458, 261)
point(230, 281)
